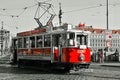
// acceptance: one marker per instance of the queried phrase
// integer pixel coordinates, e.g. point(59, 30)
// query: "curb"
point(111, 65)
point(107, 64)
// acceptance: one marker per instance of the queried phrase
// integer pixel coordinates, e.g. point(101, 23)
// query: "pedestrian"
point(101, 56)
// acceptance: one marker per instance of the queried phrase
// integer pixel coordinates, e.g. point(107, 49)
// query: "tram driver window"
point(71, 37)
point(81, 40)
point(32, 42)
point(39, 41)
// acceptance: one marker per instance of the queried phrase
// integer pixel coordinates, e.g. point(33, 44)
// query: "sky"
point(18, 15)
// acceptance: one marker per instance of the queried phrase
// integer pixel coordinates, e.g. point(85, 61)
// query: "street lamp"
point(107, 14)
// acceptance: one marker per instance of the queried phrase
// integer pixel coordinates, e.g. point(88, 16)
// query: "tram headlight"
point(82, 57)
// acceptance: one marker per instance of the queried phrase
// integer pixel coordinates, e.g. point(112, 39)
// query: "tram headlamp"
point(82, 57)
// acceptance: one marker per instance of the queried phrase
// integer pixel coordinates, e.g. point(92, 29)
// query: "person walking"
point(101, 56)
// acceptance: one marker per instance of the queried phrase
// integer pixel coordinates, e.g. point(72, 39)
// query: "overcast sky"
point(91, 12)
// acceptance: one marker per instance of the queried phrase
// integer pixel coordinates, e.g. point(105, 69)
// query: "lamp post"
point(107, 15)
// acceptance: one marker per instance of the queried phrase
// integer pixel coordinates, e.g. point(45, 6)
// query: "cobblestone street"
point(95, 72)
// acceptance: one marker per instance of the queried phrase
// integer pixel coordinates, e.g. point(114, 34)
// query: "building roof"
point(97, 30)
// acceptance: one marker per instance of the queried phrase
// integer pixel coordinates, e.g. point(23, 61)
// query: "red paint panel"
point(47, 51)
point(27, 33)
point(65, 55)
point(73, 55)
point(25, 51)
point(56, 54)
point(38, 51)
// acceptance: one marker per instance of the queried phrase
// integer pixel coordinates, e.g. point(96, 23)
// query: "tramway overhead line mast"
point(60, 14)
point(1, 41)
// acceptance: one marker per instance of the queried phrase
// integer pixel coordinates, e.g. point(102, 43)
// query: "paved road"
point(96, 72)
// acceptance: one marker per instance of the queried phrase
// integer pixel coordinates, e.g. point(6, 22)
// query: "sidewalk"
point(4, 59)
point(109, 64)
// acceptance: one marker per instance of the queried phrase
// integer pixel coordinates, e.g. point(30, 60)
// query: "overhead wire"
point(6, 12)
point(25, 8)
point(75, 10)
point(100, 5)
point(16, 15)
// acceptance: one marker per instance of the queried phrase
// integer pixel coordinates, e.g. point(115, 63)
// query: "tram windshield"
point(81, 40)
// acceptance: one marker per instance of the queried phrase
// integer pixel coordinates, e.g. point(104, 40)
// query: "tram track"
point(47, 74)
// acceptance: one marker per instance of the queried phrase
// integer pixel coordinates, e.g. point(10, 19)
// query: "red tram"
point(63, 46)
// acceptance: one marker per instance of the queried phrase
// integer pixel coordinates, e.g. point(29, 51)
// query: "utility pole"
point(4, 40)
point(60, 14)
point(107, 15)
point(1, 41)
point(2, 24)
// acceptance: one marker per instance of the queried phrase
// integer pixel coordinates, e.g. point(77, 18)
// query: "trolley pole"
point(1, 41)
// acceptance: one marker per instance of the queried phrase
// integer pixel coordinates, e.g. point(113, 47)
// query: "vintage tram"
point(53, 47)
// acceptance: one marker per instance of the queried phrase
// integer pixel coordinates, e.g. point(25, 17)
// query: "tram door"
point(56, 46)
point(14, 51)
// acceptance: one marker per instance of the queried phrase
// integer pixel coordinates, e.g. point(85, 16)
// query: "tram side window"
point(71, 37)
point(26, 42)
point(56, 40)
point(47, 41)
point(64, 41)
point(20, 42)
point(39, 42)
point(32, 41)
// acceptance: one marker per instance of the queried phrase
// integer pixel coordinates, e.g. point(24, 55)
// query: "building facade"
point(4, 41)
point(101, 39)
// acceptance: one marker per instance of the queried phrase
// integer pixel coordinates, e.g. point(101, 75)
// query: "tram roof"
point(47, 30)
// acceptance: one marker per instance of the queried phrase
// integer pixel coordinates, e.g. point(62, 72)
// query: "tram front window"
point(81, 40)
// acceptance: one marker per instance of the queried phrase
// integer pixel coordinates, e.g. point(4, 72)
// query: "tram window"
point(64, 41)
point(71, 39)
point(32, 41)
point(20, 42)
point(39, 41)
point(81, 40)
point(26, 42)
point(47, 41)
point(56, 40)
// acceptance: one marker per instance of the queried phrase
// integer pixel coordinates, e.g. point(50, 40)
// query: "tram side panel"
point(34, 54)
